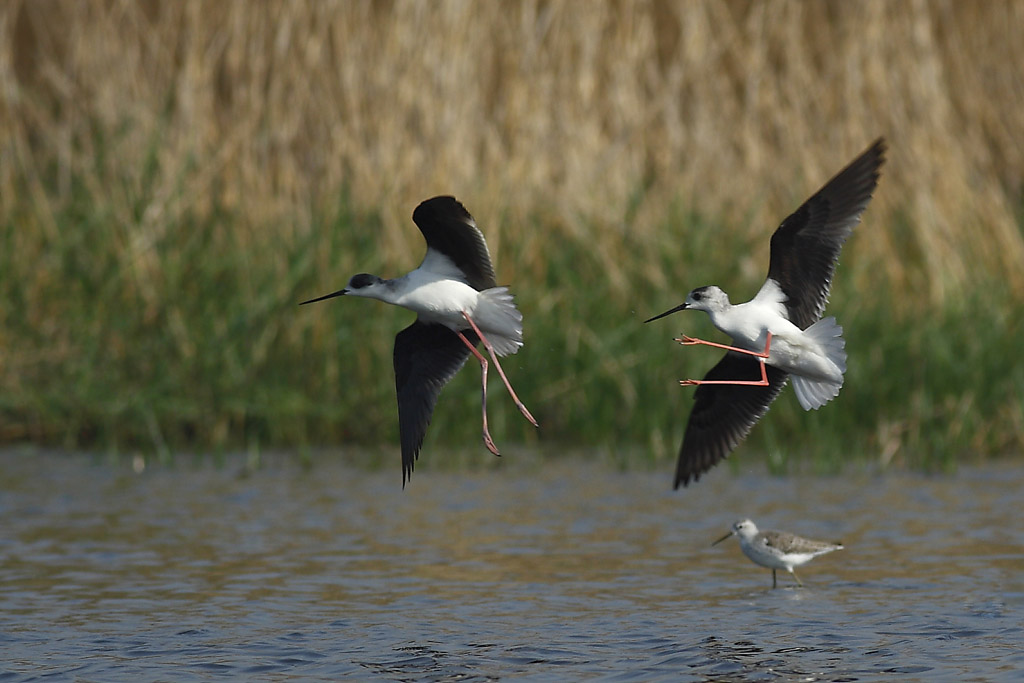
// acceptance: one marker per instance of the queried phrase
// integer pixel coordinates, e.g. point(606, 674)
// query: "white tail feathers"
point(812, 393)
point(498, 318)
point(816, 392)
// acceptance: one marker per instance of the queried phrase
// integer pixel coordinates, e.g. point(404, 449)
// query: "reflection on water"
point(557, 571)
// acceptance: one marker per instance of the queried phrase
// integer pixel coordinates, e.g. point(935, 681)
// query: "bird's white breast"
point(749, 323)
point(437, 298)
point(440, 299)
point(762, 555)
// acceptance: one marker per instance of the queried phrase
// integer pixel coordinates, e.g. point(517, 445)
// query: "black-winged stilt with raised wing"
point(779, 333)
point(458, 304)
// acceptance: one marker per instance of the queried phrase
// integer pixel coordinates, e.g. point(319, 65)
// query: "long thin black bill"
point(668, 312)
point(340, 292)
point(722, 538)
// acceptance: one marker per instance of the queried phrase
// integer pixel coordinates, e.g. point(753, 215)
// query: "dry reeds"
point(584, 114)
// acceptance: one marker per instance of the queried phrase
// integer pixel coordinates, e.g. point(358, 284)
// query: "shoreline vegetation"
point(176, 177)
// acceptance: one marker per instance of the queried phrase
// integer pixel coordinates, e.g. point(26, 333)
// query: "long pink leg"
point(494, 357)
point(763, 382)
point(762, 356)
point(488, 441)
point(690, 341)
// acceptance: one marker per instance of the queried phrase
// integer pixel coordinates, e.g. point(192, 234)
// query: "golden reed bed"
point(574, 118)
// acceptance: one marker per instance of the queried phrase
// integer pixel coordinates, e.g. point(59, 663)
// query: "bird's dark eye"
point(697, 296)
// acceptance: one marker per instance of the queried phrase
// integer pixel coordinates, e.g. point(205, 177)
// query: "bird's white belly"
point(774, 558)
point(764, 557)
point(441, 301)
point(791, 350)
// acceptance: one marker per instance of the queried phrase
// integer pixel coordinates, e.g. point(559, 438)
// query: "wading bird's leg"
point(488, 441)
point(494, 356)
point(690, 341)
point(763, 382)
point(798, 581)
point(774, 582)
point(761, 356)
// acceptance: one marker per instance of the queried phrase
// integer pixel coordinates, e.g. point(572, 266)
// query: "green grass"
point(175, 179)
point(192, 339)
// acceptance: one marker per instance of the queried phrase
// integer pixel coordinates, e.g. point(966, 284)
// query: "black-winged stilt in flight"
point(780, 332)
point(458, 304)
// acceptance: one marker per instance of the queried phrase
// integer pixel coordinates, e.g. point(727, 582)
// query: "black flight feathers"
point(450, 230)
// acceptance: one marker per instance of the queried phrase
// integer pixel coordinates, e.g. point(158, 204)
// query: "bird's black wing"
point(450, 230)
point(723, 414)
point(805, 247)
point(426, 357)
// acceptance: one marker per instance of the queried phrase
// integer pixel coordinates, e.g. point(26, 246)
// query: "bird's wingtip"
point(683, 480)
point(878, 149)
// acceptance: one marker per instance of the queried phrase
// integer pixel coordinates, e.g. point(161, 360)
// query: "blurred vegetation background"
point(176, 176)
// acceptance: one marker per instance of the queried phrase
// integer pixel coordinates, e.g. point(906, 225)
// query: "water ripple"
point(329, 574)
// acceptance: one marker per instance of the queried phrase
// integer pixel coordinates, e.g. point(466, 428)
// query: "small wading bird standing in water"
point(779, 332)
point(777, 549)
point(458, 304)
